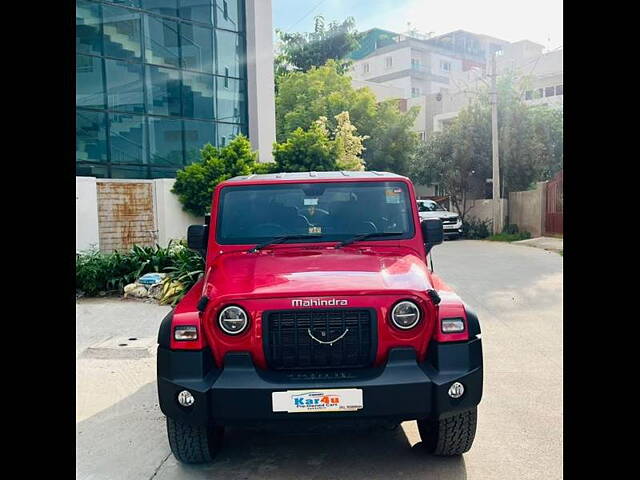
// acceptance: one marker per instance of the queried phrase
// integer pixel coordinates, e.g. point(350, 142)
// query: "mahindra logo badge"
point(320, 302)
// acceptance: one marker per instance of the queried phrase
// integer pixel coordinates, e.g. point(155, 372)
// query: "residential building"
point(158, 79)
point(538, 73)
point(417, 66)
point(441, 74)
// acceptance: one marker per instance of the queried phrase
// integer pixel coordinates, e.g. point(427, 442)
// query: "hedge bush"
point(98, 272)
point(475, 229)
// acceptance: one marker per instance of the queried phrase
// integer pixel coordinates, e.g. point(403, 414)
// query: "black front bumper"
point(240, 394)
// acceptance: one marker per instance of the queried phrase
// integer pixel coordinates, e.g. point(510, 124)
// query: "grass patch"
point(509, 237)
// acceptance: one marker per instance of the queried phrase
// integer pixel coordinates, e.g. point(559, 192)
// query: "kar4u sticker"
point(317, 400)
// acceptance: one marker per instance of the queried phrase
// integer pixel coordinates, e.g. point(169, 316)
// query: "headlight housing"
point(405, 315)
point(233, 320)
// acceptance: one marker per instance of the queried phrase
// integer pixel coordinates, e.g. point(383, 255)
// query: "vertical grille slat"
point(288, 345)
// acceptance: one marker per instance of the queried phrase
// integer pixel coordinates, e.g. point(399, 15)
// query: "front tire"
point(449, 436)
point(193, 444)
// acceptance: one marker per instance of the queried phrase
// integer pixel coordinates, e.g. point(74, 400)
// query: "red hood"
point(291, 272)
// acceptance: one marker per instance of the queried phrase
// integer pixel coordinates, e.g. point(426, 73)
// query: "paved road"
point(517, 293)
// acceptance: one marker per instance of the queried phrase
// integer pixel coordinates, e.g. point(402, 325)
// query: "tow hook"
point(433, 295)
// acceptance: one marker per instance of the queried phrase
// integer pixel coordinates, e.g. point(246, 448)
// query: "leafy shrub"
point(109, 272)
point(195, 182)
point(510, 228)
point(186, 269)
point(305, 151)
point(476, 229)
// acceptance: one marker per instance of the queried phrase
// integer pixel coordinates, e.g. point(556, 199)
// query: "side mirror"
point(197, 238)
point(432, 232)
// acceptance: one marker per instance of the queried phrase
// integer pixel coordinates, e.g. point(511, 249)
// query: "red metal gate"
point(553, 217)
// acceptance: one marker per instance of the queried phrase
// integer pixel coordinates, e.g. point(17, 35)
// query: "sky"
point(512, 20)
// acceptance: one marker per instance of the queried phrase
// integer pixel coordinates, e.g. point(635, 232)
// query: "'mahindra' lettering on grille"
point(319, 302)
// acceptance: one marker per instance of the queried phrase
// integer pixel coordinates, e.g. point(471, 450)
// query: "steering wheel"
point(371, 226)
point(269, 229)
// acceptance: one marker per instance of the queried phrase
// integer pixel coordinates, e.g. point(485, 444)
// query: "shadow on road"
point(128, 441)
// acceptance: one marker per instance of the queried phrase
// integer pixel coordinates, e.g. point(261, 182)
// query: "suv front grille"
point(288, 343)
point(450, 220)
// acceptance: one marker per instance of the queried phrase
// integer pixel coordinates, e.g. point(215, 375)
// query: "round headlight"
point(405, 315)
point(233, 320)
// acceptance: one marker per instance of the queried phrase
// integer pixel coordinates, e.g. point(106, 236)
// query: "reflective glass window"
point(124, 86)
point(197, 48)
point(127, 3)
point(88, 39)
point(122, 37)
point(163, 7)
point(127, 138)
point(89, 82)
point(92, 170)
point(161, 41)
point(230, 48)
point(197, 95)
point(129, 171)
point(197, 10)
point(165, 142)
point(159, 172)
point(229, 14)
point(196, 135)
point(91, 136)
point(226, 132)
point(163, 91)
point(231, 96)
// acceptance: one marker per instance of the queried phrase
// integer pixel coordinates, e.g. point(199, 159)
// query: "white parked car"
point(451, 222)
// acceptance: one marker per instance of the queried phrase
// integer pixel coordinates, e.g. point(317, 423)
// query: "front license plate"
point(338, 400)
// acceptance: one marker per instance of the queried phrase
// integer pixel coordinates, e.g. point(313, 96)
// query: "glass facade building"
point(155, 81)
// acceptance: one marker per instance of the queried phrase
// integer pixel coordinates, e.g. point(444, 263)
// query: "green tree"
point(459, 159)
point(303, 51)
point(455, 157)
point(302, 98)
point(306, 150)
point(195, 183)
point(391, 142)
point(347, 144)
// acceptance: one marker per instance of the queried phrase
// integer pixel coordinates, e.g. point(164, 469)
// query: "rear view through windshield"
point(331, 211)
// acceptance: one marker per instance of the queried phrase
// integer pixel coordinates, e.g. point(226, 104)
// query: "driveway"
point(517, 294)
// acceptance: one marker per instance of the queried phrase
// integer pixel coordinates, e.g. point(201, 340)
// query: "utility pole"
point(497, 217)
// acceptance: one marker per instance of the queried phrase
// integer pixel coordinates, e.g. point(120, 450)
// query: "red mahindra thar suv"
point(318, 304)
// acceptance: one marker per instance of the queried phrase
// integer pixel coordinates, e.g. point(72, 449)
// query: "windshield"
point(331, 211)
point(429, 206)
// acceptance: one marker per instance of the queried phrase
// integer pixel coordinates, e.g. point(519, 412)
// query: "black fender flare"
point(473, 324)
point(164, 333)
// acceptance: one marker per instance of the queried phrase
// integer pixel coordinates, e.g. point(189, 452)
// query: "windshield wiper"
point(364, 236)
point(281, 239)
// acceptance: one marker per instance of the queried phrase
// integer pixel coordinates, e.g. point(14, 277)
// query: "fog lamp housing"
point(185, 398)
point(456, 390)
